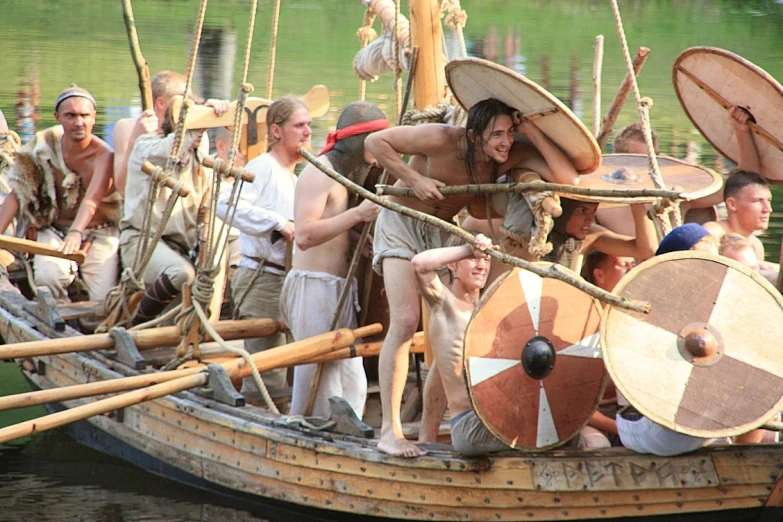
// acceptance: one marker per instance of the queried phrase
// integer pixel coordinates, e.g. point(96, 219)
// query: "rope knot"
point(646, 102)
point(247, 88)
point(455, 18)
point(366, 34)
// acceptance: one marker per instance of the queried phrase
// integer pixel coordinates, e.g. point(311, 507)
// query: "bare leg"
point(404, 310)
point(434, 406)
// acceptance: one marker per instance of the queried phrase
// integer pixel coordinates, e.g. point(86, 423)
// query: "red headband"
point(353, 130)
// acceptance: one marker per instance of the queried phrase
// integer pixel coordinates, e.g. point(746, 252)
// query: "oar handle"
point(33, 247)
point(150, 170)
point(234, 172)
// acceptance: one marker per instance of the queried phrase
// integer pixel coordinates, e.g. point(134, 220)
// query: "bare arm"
point(125, 134)
point(431, 139)
point(8, 211)
point(641, 247)
point(749, 156)
point(313, 193)
point(560, 168)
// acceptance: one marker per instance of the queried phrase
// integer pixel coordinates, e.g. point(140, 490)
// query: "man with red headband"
point(441, 155)
point(324, 214)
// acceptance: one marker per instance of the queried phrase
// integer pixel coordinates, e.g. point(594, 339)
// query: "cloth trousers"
point(261, 300)
point(164, 260)
point(308, 303)
point(99, 271)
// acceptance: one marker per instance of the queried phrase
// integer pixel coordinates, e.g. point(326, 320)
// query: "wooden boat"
point(248, 453)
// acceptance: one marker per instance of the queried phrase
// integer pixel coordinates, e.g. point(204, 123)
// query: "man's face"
point(752, 206)
point(472, 273)
point(612, 270)
point(295, 133)
point(77, 116)
point(497, 139)
point(583, 217)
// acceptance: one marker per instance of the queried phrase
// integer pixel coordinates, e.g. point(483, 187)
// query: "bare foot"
point(399, 447)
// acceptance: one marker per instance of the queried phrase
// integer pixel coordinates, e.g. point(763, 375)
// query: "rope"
point(456, 19)
point(397, 68)
point(272, 49)
point(300, 420)
point(366, 34)
point(643, 107)
point(436, 114)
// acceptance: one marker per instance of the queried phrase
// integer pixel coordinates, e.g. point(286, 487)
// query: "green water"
point(49, 44)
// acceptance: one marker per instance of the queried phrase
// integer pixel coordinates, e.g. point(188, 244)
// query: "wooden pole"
point(144, 339)
point(553, 271)
point(234, 172)
point(142, 69)
point(620, 97)
point(429, 87)
point(598, 63)
point(168, 181)
point(266, 360)
point(17, 244)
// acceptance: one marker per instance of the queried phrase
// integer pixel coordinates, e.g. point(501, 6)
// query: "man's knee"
point(180, 275)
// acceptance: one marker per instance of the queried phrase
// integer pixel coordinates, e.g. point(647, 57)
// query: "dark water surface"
point(48, 44)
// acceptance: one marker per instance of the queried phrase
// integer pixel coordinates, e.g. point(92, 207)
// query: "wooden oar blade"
point(33, 247)
point(317, 101)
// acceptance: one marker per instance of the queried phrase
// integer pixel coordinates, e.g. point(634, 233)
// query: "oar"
point(33, 247)
point(267, 360)
point(201, 117)
point(553, 271)
point(80, 391)
point(144, 339)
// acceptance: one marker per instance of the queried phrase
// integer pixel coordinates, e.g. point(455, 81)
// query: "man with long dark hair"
point(441, 155)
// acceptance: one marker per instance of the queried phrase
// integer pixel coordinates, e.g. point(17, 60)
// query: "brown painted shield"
point(631, 172)
point(706, 360)
point(708, 81)
point(473, 80)
point(524, 411)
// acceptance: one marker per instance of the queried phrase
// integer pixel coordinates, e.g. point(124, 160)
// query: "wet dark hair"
point(739, 179)
point(480, 116)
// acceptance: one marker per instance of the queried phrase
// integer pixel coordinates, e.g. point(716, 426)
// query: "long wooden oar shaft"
point(144, 339)
point(266, 360)
point(553, 271)
point(33, 247)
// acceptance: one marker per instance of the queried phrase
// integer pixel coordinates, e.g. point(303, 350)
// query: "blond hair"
point(633, 133)
point(278, 114)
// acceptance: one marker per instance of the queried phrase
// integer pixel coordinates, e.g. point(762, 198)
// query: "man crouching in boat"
point(444, 155)
point(324, 214)
point(62, 183)
point(450, 310)
point(170, 266)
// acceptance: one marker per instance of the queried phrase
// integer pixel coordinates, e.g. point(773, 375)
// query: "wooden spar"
point(235, 172)
point(78, 391)
point(598, 62)
point(620, 97)
point(149, 169)
point(17, 244)
point(429, 87)
point(553, 271)
point(144, 339)
point(498, 188)
point(142, 68)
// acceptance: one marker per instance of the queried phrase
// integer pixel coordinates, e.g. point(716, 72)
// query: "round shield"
point(631, 172)
point(532, 361)
point(708, 81)
point(473, 80)
point(706, 360)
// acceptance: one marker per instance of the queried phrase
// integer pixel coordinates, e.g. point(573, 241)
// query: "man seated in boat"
point(636, 431)
point(324, 215)
point(165, 86)
point(442, 155)
point(62, 185)
point(171, 264)
point(749, 206)
point(265, 209)
point(630, 140)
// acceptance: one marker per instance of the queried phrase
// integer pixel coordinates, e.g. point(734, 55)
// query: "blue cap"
point(682, 238)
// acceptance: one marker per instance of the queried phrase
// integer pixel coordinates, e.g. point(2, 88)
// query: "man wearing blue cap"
point(63, 186)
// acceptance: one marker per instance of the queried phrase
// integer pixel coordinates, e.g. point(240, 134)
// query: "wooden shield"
point(706, 360)
point(535, 411)
point(631, 172)
point(708, 81)
point(473, 80)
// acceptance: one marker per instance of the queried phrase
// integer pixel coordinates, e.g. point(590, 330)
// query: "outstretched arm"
point(749, 156)
point(559, 168)
point(641, 247)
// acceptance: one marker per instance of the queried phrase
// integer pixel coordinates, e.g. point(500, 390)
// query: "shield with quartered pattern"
point(532, 361)
point(706, 361)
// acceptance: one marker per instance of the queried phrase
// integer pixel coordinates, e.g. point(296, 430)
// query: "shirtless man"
point(450, 310)
point(445, 155)
point(324, 214)
point(82, 205)
point(165, 85)
point(749, 206)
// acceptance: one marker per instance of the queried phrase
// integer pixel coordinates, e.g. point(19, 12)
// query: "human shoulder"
point(717, 228)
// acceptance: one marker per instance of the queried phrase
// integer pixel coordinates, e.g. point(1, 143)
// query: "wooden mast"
point(429, 86)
